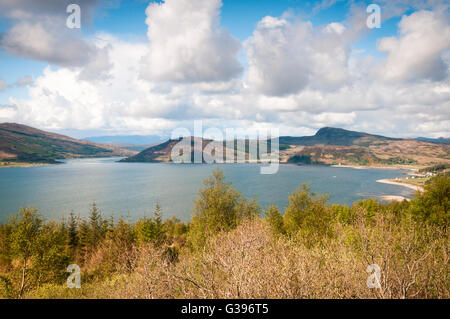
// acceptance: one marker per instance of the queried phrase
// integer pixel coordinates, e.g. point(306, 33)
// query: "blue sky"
point(297, 79)
point(126, 20)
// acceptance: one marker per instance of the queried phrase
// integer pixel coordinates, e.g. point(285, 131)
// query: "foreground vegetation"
point(233, 249)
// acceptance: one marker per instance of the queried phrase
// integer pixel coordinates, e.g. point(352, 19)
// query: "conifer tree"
point(73, 231)
point(84, 232)
point(159, 234)
point(95, 223)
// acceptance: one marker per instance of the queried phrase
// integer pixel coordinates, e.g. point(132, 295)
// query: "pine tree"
point(109, 227)
point(159, 234)
point(95, 223)
point(84, 240)
point(144, 229)
point(73, 231)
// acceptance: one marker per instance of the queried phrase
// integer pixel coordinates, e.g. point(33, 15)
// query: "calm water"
point(134, 188)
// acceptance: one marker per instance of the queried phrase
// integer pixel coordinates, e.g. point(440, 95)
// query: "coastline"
point(24, 165)
point(411, 168)
point(394, 198)
point(388, 181)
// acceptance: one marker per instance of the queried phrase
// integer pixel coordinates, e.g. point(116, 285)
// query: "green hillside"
point(20, 143)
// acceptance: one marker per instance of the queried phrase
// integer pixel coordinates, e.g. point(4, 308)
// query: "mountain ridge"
point(331, 136)
point(336, 146)
point(21, 143)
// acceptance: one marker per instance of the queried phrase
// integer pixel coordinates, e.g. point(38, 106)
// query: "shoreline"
point(410, 186)
point(411, 168)
point(394, 198)
point(24, 165)
point(263, 162)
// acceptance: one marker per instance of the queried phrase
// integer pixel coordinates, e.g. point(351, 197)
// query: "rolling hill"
point(339, 146)
point(24, 144)
point(154, 154)
point(162, 152)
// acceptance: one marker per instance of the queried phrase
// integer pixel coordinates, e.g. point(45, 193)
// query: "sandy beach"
point(388, 181)
point(395, 198)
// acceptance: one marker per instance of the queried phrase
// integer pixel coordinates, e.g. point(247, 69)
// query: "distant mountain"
point(133, 147)
point(332, 136)
point(126, 139)
point(338, 146)
point(434, 140)
point(21, 143)
point(335, 146)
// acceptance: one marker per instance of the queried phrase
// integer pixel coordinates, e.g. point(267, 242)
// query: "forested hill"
point(21, 143)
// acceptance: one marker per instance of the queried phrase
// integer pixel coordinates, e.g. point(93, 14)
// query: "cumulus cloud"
point(34, 40)
point(59, 100)
point(285, 57)
point(7, 112)
point(278, 62)
point(25, 9)
point(187, 44)
point(39, 32)
point(300, 78)
point(2, 85)
point(23, 81)
point(397, 8)
point(417, 53)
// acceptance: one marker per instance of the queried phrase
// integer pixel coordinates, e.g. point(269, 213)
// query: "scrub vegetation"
point(232, 248)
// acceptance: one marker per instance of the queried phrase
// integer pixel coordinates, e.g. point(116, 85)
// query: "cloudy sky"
point(149, 67)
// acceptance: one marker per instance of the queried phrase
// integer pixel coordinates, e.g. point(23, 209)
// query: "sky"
point(152, 67)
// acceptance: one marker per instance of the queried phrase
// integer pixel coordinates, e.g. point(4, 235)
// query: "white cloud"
point(38, 31)
point(7, 112)
point(48, 41)
point(417, 53)
point(187, 44)
point(300, 78)
point(334, 28)
point(59, 100)
point(278, 61)
point(286, 57)
point(2, 85)
point(23, 81)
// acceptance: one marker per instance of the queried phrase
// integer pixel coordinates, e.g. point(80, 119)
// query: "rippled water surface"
point(134, 188)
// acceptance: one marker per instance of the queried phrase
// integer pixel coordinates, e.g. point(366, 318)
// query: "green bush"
point(433, 204)
point(308, 216)
point(219, 208)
